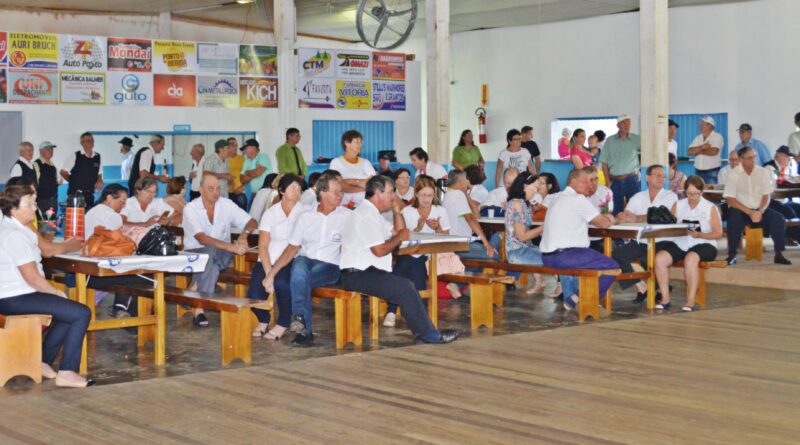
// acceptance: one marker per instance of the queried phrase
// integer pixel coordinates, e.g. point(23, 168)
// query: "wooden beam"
point(438, 79)
point(654, 80)
point(285, 24)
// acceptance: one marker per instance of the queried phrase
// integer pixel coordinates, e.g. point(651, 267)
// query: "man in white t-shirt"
point(499, 196)
point(794, 138)
point(463, 219)
point(733, 162)
point(202, 235)
point(125, 145)
point(706, 149)
point(602, 198)
point(672, 131)
point(196, 173)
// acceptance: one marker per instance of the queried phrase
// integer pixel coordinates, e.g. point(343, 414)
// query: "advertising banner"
point(389, 96)
point(353, 94)
point(217, 58)
point(3, 85)
point(258, 60)
point(82, 88)
point(354, 65)
point(32, 87)
point(316, 93)
point(3, 49)
point(32, 50)
point(315, 62)
point(174, 57)
point(257, 92)
point(130, 89)
point(129, 55)
point(81, 53)
point(388, 66)
point(218, 91)
point(174, 90)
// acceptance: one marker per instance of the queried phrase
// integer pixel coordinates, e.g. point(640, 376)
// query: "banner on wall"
point(174, 57)
point(388, 66)
point(32, 87)
point(33, 50)
point(130, 89)
point(315, 62)
point(82, 88)
point(354, 65)
point(353, 94)
point(3, 48)
point(174, 90)
point(389, 96)
point(258, 60)
point(129, 55)
point(316, 93)
point(217, 58)
point(218, 91)
point(3, 86)
point(81, 53)
point(258, 92)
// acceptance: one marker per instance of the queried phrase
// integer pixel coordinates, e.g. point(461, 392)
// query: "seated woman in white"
point(145, 209)
point(266, 197)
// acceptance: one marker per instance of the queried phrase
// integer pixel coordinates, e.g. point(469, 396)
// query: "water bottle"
point(441, 188)
point(76, 208)
point(165, 171)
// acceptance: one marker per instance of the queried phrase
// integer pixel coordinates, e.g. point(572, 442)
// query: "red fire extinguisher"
point(481, 113)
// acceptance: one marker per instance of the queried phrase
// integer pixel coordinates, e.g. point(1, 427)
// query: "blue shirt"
point(763, 154)
point(250, 164)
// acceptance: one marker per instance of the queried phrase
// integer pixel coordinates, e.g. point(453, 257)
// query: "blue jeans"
point(580, 258)
point(709, 176)
point(283, 294)
point(240, 199)
point(494, 240)
point(307, 274)
point(623, 190)
point(525, 255)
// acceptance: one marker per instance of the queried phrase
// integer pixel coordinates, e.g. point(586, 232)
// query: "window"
point(327, 136)
point(589, 124)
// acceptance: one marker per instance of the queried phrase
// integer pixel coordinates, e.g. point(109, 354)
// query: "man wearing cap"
point(144, 163)
point(125, 145)
point(82, 170)
point(290, 158)
point(46, 178)
point(785, 172)
point(24, 165)
point(794, 138)
point(196, 173)
point(672, 131)
point(706, 148)
point(620, 158)
point(256, 166)
point(384, 165)
point(216, 165)
point(235, 163)
point(746, 135)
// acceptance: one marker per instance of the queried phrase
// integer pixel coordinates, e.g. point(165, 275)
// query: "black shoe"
point(792, 243)
point(200, 320)
point(298, 325)
point(511, 286)
point(302, 340)
point(120, 311)
point(447, 336)
point(780, 259)
point(731, 260)
point(640, 297)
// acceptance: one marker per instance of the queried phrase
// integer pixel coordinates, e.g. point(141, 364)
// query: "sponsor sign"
point(129, 55)
point(3, 85)
point(218, 91)
point(82, 88)
point(3, 48)
point(389, 96)
point(388, 66)
point(130, 89)
point(354, 94)
point(217, 58)
point(32, 50)
point(32, 87)
point(81, 53)
point(316, 93)
point(174, 57)
point(174, 90)
point(258, 60)
point(257, 92)
point(316, 62)
point(353, 65)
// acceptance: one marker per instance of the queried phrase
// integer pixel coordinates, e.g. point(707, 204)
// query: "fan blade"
point(378, 34)
point(397, 13)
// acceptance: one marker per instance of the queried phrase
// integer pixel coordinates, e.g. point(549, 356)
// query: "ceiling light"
point(244, 2)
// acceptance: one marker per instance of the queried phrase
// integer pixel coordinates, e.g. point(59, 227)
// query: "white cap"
point(47, 144)
point(709, 120)
point(623, 118)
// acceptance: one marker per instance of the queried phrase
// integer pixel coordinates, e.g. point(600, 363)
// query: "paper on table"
point(429, 238)
point(187, 262)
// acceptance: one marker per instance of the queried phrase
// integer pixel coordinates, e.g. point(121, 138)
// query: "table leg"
point(239, 265)
point(80, 287)
point(161, 320)
point(503, 253)
point(608, 251)
point(651, 267)
point(433, 303)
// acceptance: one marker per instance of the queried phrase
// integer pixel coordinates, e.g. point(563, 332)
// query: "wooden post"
point(160, 344)
point(608, 250)
point(437, 23)
point(651, 267)
point(285, 25)
point(433, 303)
point(654, 80)
point(80, 286)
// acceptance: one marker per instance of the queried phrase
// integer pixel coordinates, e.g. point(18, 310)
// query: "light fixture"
point(244, 2)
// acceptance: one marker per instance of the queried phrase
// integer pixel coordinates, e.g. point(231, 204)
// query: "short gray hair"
point(144, 183)
point(454, 176)
point(376, 183)
point(574, 175)
point(201, 147)
point(24, 144)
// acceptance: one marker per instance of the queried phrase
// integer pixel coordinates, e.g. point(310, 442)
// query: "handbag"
point(447, 263)
point(660, 215)
point(158, 241)
point(108, 243)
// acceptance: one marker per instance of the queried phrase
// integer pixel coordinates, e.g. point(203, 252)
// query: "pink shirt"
point(563, 148)
point(586, 158)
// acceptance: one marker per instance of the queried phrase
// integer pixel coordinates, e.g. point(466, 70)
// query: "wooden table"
point(779, 193)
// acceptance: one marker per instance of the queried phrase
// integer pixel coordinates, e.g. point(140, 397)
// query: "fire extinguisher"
point(481, 113)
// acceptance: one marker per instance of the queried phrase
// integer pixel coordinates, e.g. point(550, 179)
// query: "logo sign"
point(217, 58)
point(216, 91)
point(388, 66)
point(354, 65)
point(182, 128)
point(389, 96)
point(353, 94)
point(174, 90)
point(129, 55)
point(316, 62)
point(33, 87)
point(173, 57)
point(130, 89)
point(82, 88)
point(258, 92)
point(3, 85)
point(31, 50)
point(316, 93)
point(258, 60)
point(81, 53)
point(3, 48)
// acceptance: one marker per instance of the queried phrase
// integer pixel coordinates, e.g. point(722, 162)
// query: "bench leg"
point(21, 349)
point(754, 243)
point(348, 320)
point(480, 306)
point(498, 294)
point(700, 297)
point(588, 295)
point(374, 317)
point(145, 333)
point(235, 336)
point(182, 282)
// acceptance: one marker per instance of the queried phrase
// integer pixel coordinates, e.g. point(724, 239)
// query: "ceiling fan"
point(385, 24)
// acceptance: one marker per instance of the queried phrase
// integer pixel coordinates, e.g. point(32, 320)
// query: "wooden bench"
point(21, 346)
point(754, 240)
point(700, 298)
point(484, 291)
point(347, 314)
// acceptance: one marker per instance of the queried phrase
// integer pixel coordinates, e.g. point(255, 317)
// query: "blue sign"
point(182, 128)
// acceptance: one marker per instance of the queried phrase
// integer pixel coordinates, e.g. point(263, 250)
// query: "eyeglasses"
point(694, 194)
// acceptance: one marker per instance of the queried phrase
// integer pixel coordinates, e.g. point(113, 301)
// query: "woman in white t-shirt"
point(354, 169)
point(402, 184)
point(512, 156)
point(424, 166)
point(107, 212)
point(145, 209)
point(266, 197)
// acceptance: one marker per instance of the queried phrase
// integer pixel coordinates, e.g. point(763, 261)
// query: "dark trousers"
point(193, 195)
point(582, 258)
point(773, 223)
point(789, 210)
point(397, 290)
point(623, 190)
point(283, 294)
point(709, 176)
point(70, 321)
point(240, 199)
point(625, 255)
point(412, 268)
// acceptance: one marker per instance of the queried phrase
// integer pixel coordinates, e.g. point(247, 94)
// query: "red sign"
point(388, 66)
point(3, 48)
point(174, 90)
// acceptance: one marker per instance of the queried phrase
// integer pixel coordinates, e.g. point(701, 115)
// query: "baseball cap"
point(623, 118)
point(250, 142)
point(784, 150)
point(672, 123)
point(126, 141)
point(386, 156)
point(47, 144)
point(745, 127)
point(709, 120)
point(220, 144)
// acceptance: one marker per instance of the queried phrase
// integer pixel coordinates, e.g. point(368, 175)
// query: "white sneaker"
point(390, 320)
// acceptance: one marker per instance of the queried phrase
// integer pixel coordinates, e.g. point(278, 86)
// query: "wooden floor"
point(718, 376)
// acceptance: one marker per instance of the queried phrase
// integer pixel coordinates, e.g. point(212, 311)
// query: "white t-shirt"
point(125, 167)
point(226, 214)
point(456, 205)
point(320, 236)
point(433, 170)
point(518, 160)
point(309, 198)
point(550, 199)
point(702, 214)
point(134, 213)
point(496, 198)
point(279, 225)
point(102, 215)
point(146, 160)
point(479, 193)
point(672, 147)
point(704, 162)
point(261, 202)
point(411, 218)
point(567, 222)
point(748, 189)
point(70, 161)
point(794, 142)
point(722, 176)
point(18, 246)
point(364, 229)
point(16, 170)
point(197, 168)
point(363, 169)
point(640, 202)
point(409, 194)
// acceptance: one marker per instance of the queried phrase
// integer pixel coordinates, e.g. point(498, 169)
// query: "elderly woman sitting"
point(518, 222)
point(176, 198)
point(145, 209)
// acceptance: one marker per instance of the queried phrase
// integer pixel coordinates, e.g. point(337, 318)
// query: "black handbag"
point(158, 241)
point(660, 215)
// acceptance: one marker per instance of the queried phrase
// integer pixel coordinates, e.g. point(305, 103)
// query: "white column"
point(165, 25)
point(285, 25)
point(654, 75)
point(437, 22)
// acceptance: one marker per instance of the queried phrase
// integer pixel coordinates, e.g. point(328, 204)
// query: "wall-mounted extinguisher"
point(481, 113)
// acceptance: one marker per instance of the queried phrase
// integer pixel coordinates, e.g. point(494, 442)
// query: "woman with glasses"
point(145, 209)
point(512, 156)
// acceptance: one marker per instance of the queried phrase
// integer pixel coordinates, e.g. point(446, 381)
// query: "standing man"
point(144, 163)
point(256, 166)
point(235, 163)
point(82, 170)
point(24, 165)
point(125, 145)
point(620, 158)
point(706, 148)
point(763, 154)
point(529, 144)
point(384, 165)
point(290, 157)
point(672, 131)
point(46, 178)
point(196, 174)
point(794, 138)
point(216, 165)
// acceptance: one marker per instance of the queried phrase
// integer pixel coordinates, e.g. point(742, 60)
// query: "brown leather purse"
point(106, 243)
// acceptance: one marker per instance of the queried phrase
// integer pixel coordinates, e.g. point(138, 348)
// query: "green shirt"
point(287, 163)
point(466, 157)
point(622, 155)
point(250, 164)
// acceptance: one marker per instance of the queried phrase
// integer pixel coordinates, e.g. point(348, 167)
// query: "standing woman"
point(518, 220)
point(25, 290)
point(512, 156)
point(466, 153)
point(677, 180)
point(563, 144)
point(580, 156)
point(354, 169)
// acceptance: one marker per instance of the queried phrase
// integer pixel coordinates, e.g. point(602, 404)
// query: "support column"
point(654, 76)
point(165, 25)
point(437, 22)
point(285, 25)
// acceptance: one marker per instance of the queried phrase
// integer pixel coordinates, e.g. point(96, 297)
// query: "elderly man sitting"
point(464, 218)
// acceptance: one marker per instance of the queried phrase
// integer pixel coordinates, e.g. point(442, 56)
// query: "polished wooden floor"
point(718, 376)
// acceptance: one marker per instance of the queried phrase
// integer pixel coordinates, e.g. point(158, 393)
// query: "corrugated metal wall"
point(689, 127)
point(378, 136)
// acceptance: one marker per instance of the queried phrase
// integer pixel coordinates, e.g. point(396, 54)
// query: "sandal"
point(570, 303)
point(261, 330)
point(556, 292)
point(275, 333)
point(454, 290)
point(200, 320)
point(537, 288)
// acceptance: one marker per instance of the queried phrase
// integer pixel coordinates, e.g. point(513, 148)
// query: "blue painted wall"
point(378, 135)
